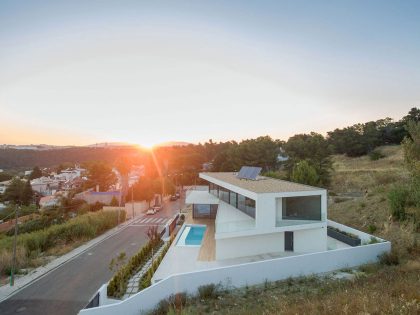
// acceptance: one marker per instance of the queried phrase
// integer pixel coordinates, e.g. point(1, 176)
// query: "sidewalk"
point(7, 291)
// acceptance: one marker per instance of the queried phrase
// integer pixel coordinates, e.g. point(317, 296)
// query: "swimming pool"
point(192, 235)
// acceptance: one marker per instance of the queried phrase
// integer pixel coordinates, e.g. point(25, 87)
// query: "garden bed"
point(345, 237)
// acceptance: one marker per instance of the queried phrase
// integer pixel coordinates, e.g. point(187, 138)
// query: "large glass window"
point(224, 194)
point(233, 199)
point(250, 207)
point(301, 208)
point(242, 203)
point(204, 211)
point(213, 189)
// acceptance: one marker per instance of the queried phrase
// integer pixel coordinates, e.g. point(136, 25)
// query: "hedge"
point(117, 286)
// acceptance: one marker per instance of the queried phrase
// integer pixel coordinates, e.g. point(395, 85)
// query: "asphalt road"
point(68, 288)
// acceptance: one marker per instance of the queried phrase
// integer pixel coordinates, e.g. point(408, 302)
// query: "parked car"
point(173, 198)
point(150, 211)
point(177, 195)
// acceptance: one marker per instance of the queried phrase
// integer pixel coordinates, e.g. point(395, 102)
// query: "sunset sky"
point(80, 72)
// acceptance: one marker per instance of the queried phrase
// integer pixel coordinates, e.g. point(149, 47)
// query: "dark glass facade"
point(204, 211)
point(301, 208)
point(240, 202)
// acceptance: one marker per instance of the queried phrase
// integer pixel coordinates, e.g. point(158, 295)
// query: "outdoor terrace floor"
point(208, 245)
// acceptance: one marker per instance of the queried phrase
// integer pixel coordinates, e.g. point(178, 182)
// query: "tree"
point(36, 173)
point(5, 176)
point(143, 190)
point(100, 174)
point(14, 191)
point(315, 150)
point(123, 166)
point(413, 115)
point(27, 193)
point(114, 202)
point(304, 173)
point(411, 147)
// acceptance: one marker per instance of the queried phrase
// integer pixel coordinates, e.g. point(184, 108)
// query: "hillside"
point(359, 199)
point(17, 158)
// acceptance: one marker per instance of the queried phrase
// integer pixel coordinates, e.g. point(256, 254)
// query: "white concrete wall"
point(304, 241)
point(139, 208)
point(265, 211)
point(245, 274)
point(309, 241)
point(249, 245)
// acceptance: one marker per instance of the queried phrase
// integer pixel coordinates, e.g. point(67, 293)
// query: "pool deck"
point(207, 250)
point(182, 259)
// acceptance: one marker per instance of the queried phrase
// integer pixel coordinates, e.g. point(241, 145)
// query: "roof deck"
point(261, 185)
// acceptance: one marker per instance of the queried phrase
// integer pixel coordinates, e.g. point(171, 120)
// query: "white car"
point(151, 211)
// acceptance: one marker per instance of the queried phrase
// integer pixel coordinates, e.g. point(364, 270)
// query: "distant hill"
point(17, 158)
point(173, 144)
point(36, 147)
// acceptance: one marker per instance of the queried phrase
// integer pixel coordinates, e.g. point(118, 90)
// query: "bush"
point(80, 228)
point(389, 259)
point(178, 300)
point(376, 155)
point(397, 198)
point(208, 291)
point(372, 228)
point(162, 308)
point(118, 284)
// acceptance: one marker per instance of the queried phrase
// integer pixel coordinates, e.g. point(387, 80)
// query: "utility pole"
point(12, 272)
point(119, 206)
point(132, 199)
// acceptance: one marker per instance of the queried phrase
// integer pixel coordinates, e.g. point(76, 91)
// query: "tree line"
point(306, 158)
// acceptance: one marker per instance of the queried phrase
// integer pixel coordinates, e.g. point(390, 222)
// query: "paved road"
point(68, 288)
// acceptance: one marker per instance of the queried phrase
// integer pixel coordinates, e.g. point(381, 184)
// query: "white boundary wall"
point(364, 237)
point(247, 274)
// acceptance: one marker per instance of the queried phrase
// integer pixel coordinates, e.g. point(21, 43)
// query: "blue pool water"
point(192, 235)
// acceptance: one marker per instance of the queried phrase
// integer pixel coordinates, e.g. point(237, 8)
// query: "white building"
point(265, 215)
point(245, 232)
point(4, 185)
point(45, 185)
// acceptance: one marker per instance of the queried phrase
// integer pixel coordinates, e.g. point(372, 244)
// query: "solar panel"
point(249, 172)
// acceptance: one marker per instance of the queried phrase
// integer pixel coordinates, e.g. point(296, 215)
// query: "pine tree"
point(27, 193)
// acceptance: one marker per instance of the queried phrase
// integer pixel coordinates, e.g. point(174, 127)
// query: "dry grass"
point(391, 290)
point(361, 174)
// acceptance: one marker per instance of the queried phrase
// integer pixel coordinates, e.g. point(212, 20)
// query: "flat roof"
point(201, 197)
point(263, 184)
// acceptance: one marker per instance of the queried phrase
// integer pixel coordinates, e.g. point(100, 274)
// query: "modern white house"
point(261, 215)
point(247, 230)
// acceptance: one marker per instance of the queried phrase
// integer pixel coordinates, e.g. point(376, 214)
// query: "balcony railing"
point(290, 222)
point(235, 226)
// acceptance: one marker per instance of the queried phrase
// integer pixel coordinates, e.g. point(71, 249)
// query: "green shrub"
point(372, 228)
point(397, 198)
point(178, 300)
point(208, 291)
point(162, 308)
point(376, 155)
point(389, 259)
point(80, 228)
